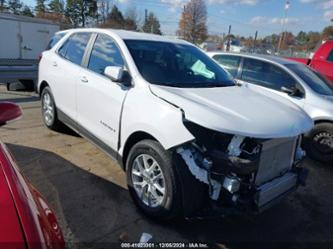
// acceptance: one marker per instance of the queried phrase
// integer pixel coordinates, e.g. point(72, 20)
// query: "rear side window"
point(54, 40)
point(266, 74)
point(228, 62)
point(104, 53)
point(330, 56)
point(73, 49)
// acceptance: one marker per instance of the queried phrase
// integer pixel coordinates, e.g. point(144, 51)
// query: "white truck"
point(22, 41)
point(192, 142)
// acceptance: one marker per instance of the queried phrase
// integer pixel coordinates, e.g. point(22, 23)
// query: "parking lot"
point(88, 192)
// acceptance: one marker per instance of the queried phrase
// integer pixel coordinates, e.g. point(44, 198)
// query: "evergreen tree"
point(56, 6)
point(152, 24)
point(40, 7)
point(15, 6)
point(2, 5)
point(78, 11)
point(26, 11)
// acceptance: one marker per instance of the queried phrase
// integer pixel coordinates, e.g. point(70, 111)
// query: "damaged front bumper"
point(247, 175)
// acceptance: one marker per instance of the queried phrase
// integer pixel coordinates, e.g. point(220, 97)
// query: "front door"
point(99, 100)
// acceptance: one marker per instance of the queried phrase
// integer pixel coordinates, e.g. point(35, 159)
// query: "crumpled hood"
point(238, 110)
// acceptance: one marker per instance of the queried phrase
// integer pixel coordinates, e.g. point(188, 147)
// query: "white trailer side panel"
point(35, 37)
point(9, 41)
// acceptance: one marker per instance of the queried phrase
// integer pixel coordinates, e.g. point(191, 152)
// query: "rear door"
point(261, 75)
point(65, 66)
point(99, 99)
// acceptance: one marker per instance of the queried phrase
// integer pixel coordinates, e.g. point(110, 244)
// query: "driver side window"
point(104, 53)
point(266, 74)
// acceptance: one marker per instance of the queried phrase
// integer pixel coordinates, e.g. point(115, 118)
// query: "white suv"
point(187, 136)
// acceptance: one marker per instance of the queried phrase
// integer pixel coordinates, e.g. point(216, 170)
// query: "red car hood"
point(25, 217)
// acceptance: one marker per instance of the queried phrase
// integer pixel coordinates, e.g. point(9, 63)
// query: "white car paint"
point(111, 111)
point(237, 110)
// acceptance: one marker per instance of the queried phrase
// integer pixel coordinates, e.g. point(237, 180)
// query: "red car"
point(26, 220)
point(322, 60)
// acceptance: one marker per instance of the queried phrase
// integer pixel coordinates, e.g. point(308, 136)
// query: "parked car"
point(175, 120)
point(23, 39)
point(295, 81)
point(26, 219)
point(321, 60)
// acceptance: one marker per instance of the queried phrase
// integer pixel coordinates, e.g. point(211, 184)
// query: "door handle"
point(55, 64)
point(84, 79)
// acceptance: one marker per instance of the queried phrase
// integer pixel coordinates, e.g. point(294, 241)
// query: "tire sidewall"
point(309, 143)
point(47, 90)
point(168, 202)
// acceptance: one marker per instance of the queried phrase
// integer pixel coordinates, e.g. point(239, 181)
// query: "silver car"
point(297, 82)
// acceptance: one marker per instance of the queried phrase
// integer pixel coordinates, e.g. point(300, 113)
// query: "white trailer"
point(22, 40)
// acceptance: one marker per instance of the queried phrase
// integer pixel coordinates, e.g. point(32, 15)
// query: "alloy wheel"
point(148, 180)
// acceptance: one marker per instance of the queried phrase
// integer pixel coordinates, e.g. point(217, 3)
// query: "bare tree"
point(104, 9)
point(192, 25)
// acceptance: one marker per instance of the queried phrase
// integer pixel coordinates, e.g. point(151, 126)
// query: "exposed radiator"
point(276, 158)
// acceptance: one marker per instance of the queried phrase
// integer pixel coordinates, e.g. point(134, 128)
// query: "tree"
point(103, 9)
point(56, 6)
point(152, 24)
point(327, 32)
point(314, 39)
point(15, 6)
point(131, 19)
point(192, 25)
point(115, 19)
point(40, 7)
point(26, 11)
point(79, 11)
point(302, 37)
point(2, 5)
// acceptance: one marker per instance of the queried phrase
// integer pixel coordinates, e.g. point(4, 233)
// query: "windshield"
point(312, 78)
point(176, 65)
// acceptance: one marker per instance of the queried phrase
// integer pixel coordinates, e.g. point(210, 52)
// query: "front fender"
point(147, 113)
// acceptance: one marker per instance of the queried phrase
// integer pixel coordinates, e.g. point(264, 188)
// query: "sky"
point(245, 16)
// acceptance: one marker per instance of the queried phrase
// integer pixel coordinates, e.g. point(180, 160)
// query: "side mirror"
point(292, 91)
point(8, 112)
point(114, 73)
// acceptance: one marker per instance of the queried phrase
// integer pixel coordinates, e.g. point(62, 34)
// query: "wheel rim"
point(148, 180)
point(48, 109)
point(323, 142)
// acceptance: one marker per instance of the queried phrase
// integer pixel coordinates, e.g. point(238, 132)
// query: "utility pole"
point(255, 39)
point(146, 15)
point(228, 39)
point(284, 22)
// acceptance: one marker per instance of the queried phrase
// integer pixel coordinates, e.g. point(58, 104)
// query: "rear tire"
point(318, 143)
point(49, 110)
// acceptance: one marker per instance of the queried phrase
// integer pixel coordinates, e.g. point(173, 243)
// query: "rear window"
point(313, 79)
point(73, 49)
point(54, 40)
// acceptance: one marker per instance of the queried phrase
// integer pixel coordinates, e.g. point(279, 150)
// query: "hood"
point(327, 97)
point(238, 110)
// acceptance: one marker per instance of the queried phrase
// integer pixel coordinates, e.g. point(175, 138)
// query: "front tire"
point(49, 110)
point(318, 143)
point(152, 180)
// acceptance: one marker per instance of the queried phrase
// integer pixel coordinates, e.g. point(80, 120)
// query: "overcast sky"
point(245, 16)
